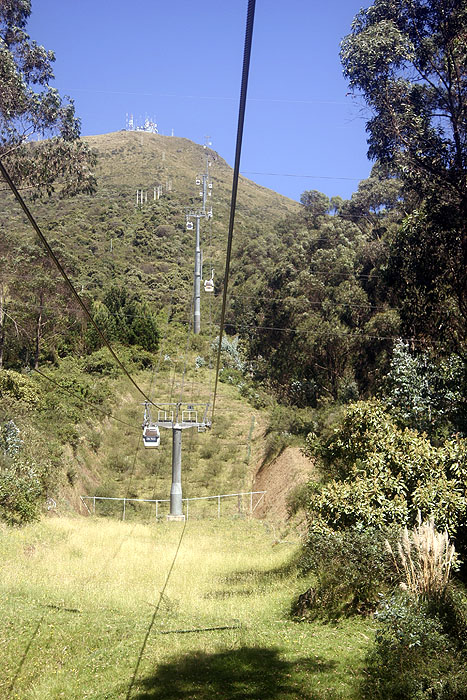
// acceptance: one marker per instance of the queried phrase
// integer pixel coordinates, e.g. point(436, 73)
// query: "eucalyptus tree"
point(39, 131)
point(408, 59)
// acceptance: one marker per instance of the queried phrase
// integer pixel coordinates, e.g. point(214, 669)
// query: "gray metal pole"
point(205, 189)
point(176, 506)
point(197, 288)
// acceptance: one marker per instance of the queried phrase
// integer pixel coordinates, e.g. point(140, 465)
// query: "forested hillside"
point(105, 239)
point(345, 335)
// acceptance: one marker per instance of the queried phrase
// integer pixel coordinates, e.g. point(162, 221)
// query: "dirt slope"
point(279, 478)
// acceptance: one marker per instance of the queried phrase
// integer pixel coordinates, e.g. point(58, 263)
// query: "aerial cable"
point(347, 336)
point(57, 264)
point(156, 611)
point(65, 389)
point(313, 177)
point(233, 202)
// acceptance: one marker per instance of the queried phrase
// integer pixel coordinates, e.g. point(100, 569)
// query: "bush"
point(230, 352)
point(10, 441)
point(17, 387)
point(384, 474)
point(101, 362)
point(351, 568)
point(20, 491)
point(424, 394)
point(414, 657)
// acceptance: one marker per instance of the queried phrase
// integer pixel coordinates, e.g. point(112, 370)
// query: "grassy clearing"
point(79, 595)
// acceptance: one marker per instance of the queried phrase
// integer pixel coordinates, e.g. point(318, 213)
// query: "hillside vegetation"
point(344, 345)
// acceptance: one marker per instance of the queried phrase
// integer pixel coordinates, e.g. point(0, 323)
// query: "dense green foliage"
point(427, 394)
point(30, 109)
point(420, 650)
point(349, 570)
point(123, 317)
point(383, 474)
point(407, 58)
point(315, 315)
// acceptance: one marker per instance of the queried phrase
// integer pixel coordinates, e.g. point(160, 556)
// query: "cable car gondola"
point(209, 284)
point(151, 435)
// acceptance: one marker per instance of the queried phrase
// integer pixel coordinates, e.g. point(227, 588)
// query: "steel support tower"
point(177, 417)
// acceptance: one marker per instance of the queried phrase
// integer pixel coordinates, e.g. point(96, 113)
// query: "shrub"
point(384, 474)
point(230, 352)
point(18, 387)
point(414, 656)
point(351, 569)
point(200, 362)
point(101, 362)
point(424, 394)
point(20, 491)
point(10, 441)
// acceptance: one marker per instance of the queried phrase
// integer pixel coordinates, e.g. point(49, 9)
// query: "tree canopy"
point(39, 132)
point(408, 58)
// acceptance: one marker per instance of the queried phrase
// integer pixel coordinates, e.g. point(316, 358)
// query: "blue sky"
point(180, 62)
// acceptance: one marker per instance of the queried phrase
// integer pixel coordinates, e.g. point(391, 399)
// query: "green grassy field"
point(79, 597)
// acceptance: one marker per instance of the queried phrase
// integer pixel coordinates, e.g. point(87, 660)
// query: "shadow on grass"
point(268, 576)
point(251, 672)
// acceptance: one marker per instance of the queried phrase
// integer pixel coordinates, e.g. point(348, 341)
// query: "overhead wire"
point(68, 282)
point(347, 335)
point(259, 297)
point(211, 97)
point(246, 62)
point(236, 173)
point(297, 175)
point(154, 616)
point(169, 573)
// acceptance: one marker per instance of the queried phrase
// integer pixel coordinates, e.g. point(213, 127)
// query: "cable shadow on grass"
point(250, 672)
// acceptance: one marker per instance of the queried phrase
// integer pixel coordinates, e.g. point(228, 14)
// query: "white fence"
point(225, 504)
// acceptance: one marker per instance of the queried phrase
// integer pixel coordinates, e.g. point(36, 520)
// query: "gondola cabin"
point(209, 285)
point(151, 435)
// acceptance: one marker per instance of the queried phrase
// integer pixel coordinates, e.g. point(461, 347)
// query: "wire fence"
point(234, 505)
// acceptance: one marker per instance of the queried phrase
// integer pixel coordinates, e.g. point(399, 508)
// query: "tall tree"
point(408, 58)
point(30, 109)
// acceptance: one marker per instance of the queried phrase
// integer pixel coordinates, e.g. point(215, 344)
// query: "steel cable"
point(233, 201)
point(68, 282)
